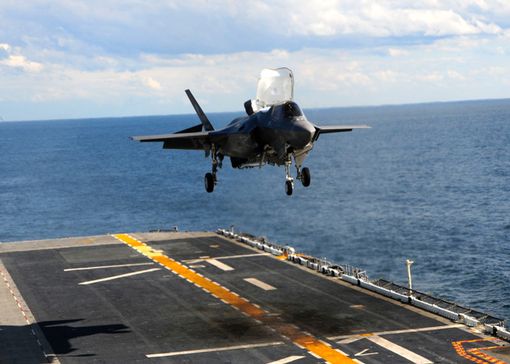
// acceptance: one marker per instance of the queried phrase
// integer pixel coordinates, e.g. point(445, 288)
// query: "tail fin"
point(203, 118)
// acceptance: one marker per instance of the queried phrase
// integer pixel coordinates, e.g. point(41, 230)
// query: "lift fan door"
point(275, 86)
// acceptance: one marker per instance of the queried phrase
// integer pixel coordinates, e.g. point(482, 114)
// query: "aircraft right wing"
point(197, 140)
point(326, 129)
point(338, 128)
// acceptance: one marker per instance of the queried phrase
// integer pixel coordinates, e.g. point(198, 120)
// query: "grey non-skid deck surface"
point(157, 312)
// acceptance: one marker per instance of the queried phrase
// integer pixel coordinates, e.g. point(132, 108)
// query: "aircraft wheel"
point(288, 188)
point(209, 182)
point(305, 177)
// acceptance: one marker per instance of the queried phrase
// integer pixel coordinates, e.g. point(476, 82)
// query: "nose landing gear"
point(303, 175)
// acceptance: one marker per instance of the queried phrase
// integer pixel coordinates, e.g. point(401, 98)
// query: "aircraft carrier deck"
point(204, 297)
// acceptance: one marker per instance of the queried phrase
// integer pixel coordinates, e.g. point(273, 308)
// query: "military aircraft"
point(274, 132)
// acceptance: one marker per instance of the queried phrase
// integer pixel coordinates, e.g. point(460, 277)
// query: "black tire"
point(306, 178)
point(209, 182)
point(288, 188)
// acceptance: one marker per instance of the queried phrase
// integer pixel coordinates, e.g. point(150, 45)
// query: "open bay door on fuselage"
point(275, 86)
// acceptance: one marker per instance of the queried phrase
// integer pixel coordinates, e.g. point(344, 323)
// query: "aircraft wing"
point(338, 128)
point(197, 140)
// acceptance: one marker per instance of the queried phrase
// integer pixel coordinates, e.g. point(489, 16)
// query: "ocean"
point(428, 182)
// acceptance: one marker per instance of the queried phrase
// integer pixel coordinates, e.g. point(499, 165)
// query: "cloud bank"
point(63, 59)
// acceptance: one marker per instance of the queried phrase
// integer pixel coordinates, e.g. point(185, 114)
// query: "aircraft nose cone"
point(303, 133)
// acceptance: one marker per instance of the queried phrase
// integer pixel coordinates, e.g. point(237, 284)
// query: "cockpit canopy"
point(275, 86)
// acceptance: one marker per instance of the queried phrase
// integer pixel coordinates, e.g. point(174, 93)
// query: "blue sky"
point(72, 59)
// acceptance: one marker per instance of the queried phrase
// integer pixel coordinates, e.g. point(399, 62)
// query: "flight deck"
point(203, 297)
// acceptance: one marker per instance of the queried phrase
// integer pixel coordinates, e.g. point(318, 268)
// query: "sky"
point(90, 58)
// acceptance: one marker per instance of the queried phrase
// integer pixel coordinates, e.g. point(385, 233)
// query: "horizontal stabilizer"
point(193, 129)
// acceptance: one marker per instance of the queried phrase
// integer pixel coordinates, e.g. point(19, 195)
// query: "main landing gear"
point(303, 174)
point(210, 179)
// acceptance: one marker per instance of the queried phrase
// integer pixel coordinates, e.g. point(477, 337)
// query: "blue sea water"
point(428, 182)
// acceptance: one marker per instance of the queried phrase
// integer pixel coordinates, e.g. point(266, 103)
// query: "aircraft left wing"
point(198, 140)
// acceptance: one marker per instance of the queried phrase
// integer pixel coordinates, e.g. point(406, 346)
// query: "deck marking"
point(475, 355)
point(119, 276)
point(201, 259)
point(260, 284)
point(392, 332)
point(209, 350)
point(107, 266)
point(288, 359)
point(219, 264)
point(24, 309)
point(242, 256)
point(350, 340)
point(397, 349)
point(365, 353)
point(310, 343)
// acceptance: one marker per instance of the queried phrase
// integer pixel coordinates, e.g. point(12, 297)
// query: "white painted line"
point(260, 284)
point(201, 259)
point(433, 328)
point(399, 350)
point(209, 350)
point(288, 359)
point(350, 340)
point(192, 261)
point(365, 352)
point(242, 256)
point(119, 276)
point(107, 266)
point(220, 265)
point(392, 332)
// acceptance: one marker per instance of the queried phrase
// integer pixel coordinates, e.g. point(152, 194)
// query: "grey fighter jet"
point(275, 131)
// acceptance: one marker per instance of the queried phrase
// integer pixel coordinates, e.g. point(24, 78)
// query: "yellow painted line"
point(309, 342)
point(125, 238)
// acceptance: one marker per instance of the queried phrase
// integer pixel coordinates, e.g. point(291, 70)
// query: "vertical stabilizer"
point(203, 118)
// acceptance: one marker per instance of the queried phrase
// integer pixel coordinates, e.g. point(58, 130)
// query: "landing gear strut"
point(210, 179)
point(289, 181)
point(303, 173)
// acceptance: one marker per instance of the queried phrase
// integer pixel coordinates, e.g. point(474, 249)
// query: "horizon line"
point(2, 120)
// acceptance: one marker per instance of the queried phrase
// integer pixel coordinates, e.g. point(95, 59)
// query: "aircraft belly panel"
point(241, 146)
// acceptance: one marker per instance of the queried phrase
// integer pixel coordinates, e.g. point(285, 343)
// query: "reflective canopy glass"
point(275, 86)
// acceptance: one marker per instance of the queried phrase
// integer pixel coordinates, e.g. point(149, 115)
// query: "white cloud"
point(349, 52)
point(380, 19)
point(397, 52)
point(12, 58)
point(151, 83)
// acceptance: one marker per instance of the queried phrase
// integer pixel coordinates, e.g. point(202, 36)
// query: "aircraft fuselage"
point(267, 136)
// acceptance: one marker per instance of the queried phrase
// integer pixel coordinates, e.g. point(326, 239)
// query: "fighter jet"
point(275, 131)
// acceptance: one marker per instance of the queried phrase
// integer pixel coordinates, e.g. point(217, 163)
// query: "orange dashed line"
point(490, 359)
point(475, 355)
point(307, 341)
